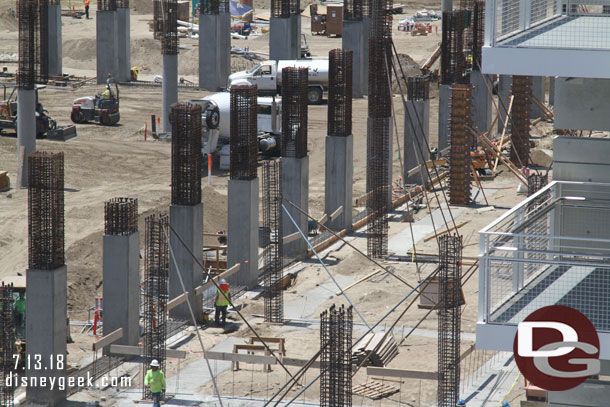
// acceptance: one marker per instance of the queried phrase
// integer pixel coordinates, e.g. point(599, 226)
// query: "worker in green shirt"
point(155, 380)
point(20, 310)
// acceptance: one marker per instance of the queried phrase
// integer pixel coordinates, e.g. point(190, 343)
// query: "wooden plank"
point(407, 374)
point(225, 274)
point(336, 213)
point(108, 339)
point(510, 106)
point(359, 281)
point(442, 232)
point(467, 352)
point(292, 237)
point(323, 219)
point(138, 351)
point(240, 357)
point(177, 301)
point(428, 164)
point(494, 150)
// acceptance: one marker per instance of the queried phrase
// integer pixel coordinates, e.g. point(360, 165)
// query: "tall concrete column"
point(285, 37)
point(339, 180)
point(538, 90)
point(481, 109)
point(295, 188)
point(26, 132)
point(54, 38)
point(170, 88)
point(214, 51)
point(355, 38)
point(107, 45)
point(187, 221)
point(417, 126)
point(505, 83)
point(552, 91)
point(242, 239)
point(444, 111)
point(123, 34)
point(46, 332)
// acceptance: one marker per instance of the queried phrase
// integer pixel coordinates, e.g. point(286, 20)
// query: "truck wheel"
point(314, 95)
point(78, 117)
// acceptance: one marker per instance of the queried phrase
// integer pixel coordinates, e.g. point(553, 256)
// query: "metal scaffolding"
point(460, 164)
point(272, 242)
point(520, 134)
point(335, 357)
point(340, 92)
point(453, 60)
point(186, 154)
point(294, 112)
point(46, 210)
point(121, 216)
point(7, 345)
point(155, 293)
point(243, 132)
point(285, 8)
point(28, 17)
point(42, 46)
point(449, 319)
point(418, 87)
point(169, 39)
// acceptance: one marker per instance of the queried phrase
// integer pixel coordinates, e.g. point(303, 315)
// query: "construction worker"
point(505, 404)
point(20, 311)
point(87, 9)
point(222, 302)
point(155, 380)
point(461, 403)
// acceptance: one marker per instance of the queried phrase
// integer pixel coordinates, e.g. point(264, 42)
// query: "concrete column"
point(339, 180)
point(295, 188)
point(54, 21)
point(121, 276)
point(481, 111)
point(170, 89)
point(45, 327)
point(355, 38)
point(242, 236)
point(552, 91)
point(444, 113)
point(284, 38)
point(124, 46)
point(214, 51)
point(417, 125)
point(504, 92)
point(538, 90)
point(107, 45)
point(187, 221)
point(26, 132)
point(446, 5)
point(370, 129)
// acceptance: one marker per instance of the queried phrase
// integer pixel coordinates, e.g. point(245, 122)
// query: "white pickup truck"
point(268, 76)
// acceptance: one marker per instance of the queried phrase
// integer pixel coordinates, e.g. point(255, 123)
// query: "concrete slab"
point(310, 300)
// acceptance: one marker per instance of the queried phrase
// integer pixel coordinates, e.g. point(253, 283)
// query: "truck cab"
point(263, 75)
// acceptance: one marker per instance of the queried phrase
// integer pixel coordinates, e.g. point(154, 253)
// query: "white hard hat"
point(154, 363)
point(223, 281)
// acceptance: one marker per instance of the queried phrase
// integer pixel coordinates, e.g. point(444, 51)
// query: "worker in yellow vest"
point(222, 302)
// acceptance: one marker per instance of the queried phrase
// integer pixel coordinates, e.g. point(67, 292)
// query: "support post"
point(505, 83)
point(417, 126)
point(26, 132)
point(481, 105)
point(107, 45)
point(214, 51)
point(355, 38)
point(54, 38)
point(295, 188)
point(242, 236)
point(170, 88)
point(123, 34)
point(539, 91)
point(285, 37)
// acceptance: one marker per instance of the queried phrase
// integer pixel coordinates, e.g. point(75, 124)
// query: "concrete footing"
point(243, 232)
point(355, 37)
point(339, 180)
point(481, 109)
point(504, 92)
point(214, 51)
point(538, 90)
point(121, 276)
point(444, 94)
point(46, 332)
point(417, 126)
point(170, 89)
point(285, 37)
point(187, 221)
point(123, 44)
point(54, 38)
point(295, 188)
point(107, 45)
point(26, 132)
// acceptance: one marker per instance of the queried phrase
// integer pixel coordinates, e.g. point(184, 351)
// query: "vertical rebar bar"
point(285, 8)
point(121, 216)
point(340, 92)
point(520, 134)
point(294, 112)
point(42, 45)
point(335, 357)
point(186, 154)
point(243, 132)
point(27, 17)
point(453, 61)
point(46, 210)
point(460, 164)
point(169, 40)
point(272, 242)
point(7, 345)
point(478, 34)
point(418, 87)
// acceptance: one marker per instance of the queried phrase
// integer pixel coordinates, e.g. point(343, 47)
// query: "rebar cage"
point(336, 326)
point(157, 20)
point(122, 3)
point(453, 61)
point(520, 129)
point(213, 6)
point(380, 25)
point(294, 112)
point(449, 319)
point(46, 210)
point(169, 41)
point(285, 8)
point(418, 87)
point(478, 34)
point(186, 154)
point(155, 293)
point(353, 10)
point(106, 5)
point(7, 345)
point(243, 132)
point(340, 92)
point(272, 242)
point(460, 163)
point(121, 216)
point(28, 16)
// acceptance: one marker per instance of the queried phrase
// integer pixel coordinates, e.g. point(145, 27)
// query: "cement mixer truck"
point(268, 76)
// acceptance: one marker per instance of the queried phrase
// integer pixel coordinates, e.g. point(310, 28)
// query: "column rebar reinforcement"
point(461, 142)
point(243, 132)
point(336, 326)
point(294, 112)
point(520, 130)
point(340, 68)
point(272, 242)
point(7, 345)
point(169, 39)
point(121, 216)
point(186, 154)
point(453, 61)
point(27, 18)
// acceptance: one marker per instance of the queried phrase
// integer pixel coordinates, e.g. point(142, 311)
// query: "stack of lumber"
point(381, 351)
point(5, 182)
point(374, 390)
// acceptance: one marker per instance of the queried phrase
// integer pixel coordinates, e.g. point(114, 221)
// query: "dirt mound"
point(407, 65)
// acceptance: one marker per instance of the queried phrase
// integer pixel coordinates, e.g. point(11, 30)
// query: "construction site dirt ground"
point(106, 162)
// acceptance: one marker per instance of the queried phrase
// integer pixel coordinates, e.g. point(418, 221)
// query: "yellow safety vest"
point(222, 301)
